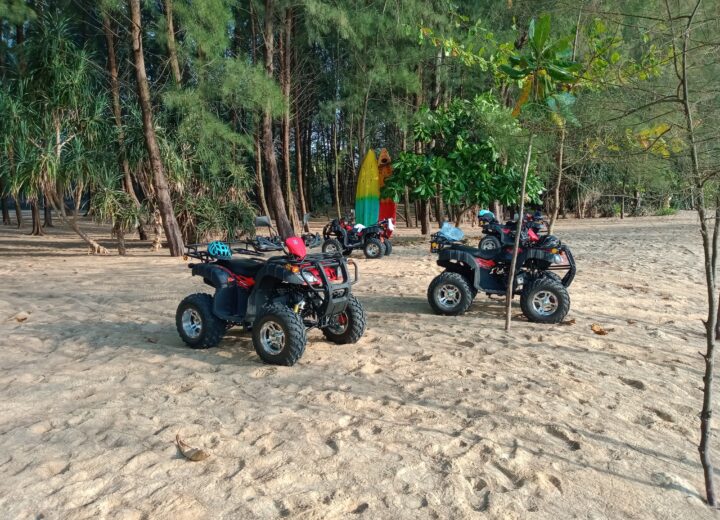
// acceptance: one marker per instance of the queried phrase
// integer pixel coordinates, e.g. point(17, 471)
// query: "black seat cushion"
point(245, 267)
point(478, 253)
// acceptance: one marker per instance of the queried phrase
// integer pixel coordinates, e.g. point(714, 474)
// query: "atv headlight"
point(557, 259)
point(310, 278)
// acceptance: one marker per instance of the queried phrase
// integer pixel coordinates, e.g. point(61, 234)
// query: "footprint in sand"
point(557, 432)
point(634, 383)
point(662, 415)
point(263, 372)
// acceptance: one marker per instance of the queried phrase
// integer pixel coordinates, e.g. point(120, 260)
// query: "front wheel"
point(278, 336)
point(332, 245)
point(545, 300)
point(348, 326)
point(388, 247)
point(373, 248)
point(197, 325)
point(489, 243)
point(449, 294)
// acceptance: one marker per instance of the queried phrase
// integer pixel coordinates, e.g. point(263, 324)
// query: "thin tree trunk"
point(513, 262)
point(710, 259)
point(172, 46)
point(424, 217)
point(284, 50)
point(276, 196)
point(558, 181)
point(162, 193)
point(117, 114)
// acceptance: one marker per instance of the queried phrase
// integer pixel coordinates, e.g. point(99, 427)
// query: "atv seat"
point(244, 267)
point(478, 253)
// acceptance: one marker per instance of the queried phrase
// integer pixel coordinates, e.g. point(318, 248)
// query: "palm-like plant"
point(546, 65)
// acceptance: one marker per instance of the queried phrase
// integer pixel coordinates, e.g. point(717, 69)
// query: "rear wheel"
point(489, 243)
point(373, 248)
point(545, 300)
point(279, 336)
point(348, 326)
point(449, 294)
point(197, 325)
point(388, 247)
point(332, 245)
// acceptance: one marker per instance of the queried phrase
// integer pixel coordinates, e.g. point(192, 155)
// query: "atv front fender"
point(460, 262)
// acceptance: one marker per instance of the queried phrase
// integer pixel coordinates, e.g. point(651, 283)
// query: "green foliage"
point(473, 156)
point(545, 65)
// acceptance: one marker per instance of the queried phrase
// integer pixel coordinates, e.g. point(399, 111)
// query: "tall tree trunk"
point(18, 211)
point(257, 134)
point(172, 46)
point(119, 233)
point(37, 229)
point(4, 203)
point(285, 83)
point(299, 163)
point(259, 181)
point(162, 193)
point(117, 114)
point(558, 181)
point(276, 196)
point(47, 213)
point(336, 173)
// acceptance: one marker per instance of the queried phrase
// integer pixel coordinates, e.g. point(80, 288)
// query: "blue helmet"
point(219, 250)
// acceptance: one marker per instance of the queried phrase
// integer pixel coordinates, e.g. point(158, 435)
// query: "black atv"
point(498, 234)
point(278, 298)
point(468, 270)
point(342, 236)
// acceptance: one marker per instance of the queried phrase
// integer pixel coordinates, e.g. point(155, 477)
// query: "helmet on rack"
point(219, 250)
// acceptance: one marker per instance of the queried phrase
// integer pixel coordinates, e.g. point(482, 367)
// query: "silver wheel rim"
point(487, 245)
point(331, 247)
point(336, 327)
point(545, 303)
point(272, 337)
point(449, 296)
point(373, 249)
point(191, 323)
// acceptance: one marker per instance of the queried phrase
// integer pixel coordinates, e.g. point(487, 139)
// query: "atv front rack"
point(334, 293)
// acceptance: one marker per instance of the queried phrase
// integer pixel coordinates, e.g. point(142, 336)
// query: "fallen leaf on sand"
point(190, 453)
point(597, 329)
point(632, 322)
point(21, 316)
point(568, 322)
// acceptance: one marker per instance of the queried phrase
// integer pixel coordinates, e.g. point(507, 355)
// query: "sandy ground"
point(426, 417)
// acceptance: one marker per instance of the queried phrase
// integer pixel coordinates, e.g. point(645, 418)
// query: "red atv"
point(341, 236)
point(278, 298)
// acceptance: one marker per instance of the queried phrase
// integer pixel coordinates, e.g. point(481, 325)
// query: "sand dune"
point(426, 417)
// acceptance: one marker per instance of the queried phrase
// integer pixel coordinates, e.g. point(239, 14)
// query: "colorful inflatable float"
point(367, 196)
point(369, 209)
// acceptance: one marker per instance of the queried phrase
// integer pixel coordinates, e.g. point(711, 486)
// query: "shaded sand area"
point(427, 417)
